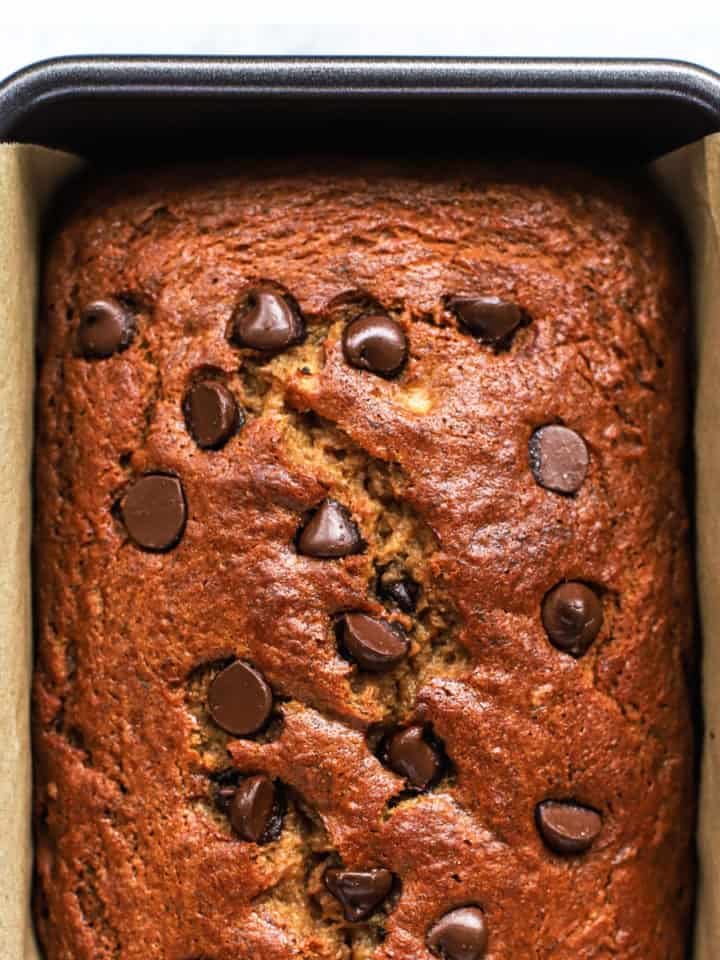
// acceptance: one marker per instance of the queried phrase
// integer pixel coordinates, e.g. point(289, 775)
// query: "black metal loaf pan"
point(130, 108)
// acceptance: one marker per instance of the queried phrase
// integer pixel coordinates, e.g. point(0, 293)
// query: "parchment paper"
point(692, 179)
point(28, 179)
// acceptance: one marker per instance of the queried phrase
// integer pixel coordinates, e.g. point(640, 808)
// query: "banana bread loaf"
point(362, 581)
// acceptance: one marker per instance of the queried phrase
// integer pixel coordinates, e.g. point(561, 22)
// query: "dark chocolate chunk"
point(572, 615)
point(373, 644)
point(211, 413)
point(330, 533)
point(558, 458)
point(567, 827)
point(488, 318)
point(266, 320)
point(252, 807)
point(154, 512)
point(375, 342)
point(403, 592)
point(359, 891)
point(240, 699)
point(106, 327)
point(459, 935)
point(410, 755)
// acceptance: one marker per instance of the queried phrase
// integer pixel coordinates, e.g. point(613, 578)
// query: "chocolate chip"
point(330, 533)
point(567, 827)
point(266, 320)
point(460, 935)
point(106, 327)
point(572, 615)
point(153, 511)
point(558, 458)
point(211, 413)
point(253, 809)
point(239, 699)
point(488, 318)
point(373, 644)
point(225, 782)
point(359, 891)
point(375, 342)
point(409, 754)
point(404, 593)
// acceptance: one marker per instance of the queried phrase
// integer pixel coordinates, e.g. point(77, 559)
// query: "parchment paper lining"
point(691, 177)
point(29, 177)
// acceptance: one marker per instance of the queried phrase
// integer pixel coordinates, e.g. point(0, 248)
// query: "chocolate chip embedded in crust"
point(375, 342)
point(567, 827)
point(154, 512)
point(558, 458)
point(225, 783)
point(404, 593)
point(359, 891)
point(330, 533)
point(211, 413)
point(459, 935)
point(252, 807)
point(572, 616)
point(106, 327)
point(374, 644)
point(239, 699)
point(266, 320)
point(410, 755)
point(488, 318)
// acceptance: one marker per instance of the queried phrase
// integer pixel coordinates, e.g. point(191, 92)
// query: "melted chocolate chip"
point(253, 809)
point(567, 827)
point(239, 699)
point(266, 320)
point(211, 413)
point(154, 512)
point(558, 459)
point(330, 533)
point(375, 342)
point(410, 755)
point(375, 645)
point(403, 592)
point(359, 891)
point(459, 935)
point(488, 318)
point(106, 327)
point(572, 615)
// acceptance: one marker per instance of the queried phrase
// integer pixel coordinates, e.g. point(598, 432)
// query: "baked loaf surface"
point(229, 477)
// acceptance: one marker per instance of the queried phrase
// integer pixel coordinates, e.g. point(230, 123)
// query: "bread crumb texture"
point(454, 542)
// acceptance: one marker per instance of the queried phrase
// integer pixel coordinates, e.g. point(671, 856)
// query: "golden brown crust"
point(134, 860)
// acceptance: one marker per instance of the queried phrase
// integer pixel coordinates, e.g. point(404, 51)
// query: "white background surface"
point(684, 30)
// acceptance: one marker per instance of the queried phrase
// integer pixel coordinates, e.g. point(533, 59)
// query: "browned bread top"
point(361, 569)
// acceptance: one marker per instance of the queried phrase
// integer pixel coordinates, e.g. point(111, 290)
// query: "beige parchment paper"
point(29, 177)
point(691, 177)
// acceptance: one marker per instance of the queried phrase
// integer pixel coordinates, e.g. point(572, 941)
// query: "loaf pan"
point(128, 108)
point(132, 110)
